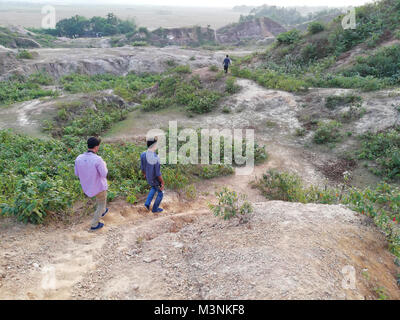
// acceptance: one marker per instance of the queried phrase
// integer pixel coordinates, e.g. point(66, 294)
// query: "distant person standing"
point(226, 63)
point(151, 169)
point(92, 172)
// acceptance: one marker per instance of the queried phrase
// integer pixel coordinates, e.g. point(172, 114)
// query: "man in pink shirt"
point(92, 172)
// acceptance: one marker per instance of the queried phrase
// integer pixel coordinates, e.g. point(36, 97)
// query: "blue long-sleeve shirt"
point(150, 165)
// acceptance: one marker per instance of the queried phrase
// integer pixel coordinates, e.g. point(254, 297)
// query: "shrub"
point(231, 86)
point(226, 110)
point(315, 27)
point(78, 119)
point(140, 44)
point(289, 37)
point(213, 68)
point(204, 101)
point(280, 186)
point(328, 132)
point(182, 69)
point(24, 54)
point(230, 204)
point(383, 64)
point(383, 149)
point(156, 104)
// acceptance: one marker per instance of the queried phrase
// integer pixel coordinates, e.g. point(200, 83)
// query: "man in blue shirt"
point(226, 63)
point(151, 168)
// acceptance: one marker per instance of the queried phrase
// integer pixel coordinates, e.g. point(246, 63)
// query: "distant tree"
point(81, 26)
point(75, 26)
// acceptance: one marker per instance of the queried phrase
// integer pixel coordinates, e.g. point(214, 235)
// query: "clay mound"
point(257, 29)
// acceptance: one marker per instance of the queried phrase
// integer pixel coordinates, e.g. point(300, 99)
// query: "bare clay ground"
point(286, 251)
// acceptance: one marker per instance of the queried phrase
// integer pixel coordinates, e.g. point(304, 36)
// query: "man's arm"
point(159, 176)
point(102, 168)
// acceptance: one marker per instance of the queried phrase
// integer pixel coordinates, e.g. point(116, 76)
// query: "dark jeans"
point(226, 69)
point(150, 197)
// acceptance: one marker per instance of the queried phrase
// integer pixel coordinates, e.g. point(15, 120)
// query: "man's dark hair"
point(227, 56)
point(151, 141)
point(93, 142)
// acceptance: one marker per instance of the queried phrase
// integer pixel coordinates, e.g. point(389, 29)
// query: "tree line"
point(79, 26)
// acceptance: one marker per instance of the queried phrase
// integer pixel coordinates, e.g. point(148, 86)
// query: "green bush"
point(280, 186)
point(383, 64)
point(204, 101)
point(383, 149)
point(182, 69)
point(315, 27)
point(139, 44)
point(156, 104)
point(328, 132)
point(289, 37)
point(231, 86)
point(78, 119)
point(24, 54)
point(230, 204)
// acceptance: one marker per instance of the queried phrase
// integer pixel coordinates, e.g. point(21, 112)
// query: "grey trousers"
point(101, 202)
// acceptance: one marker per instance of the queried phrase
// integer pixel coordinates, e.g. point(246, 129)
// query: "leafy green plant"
point(139, 44)
point(231, 86)
point(328, 132)
point(383, 148)
point(24, 54)
point(230, 204)
point(315, 27)
point(381, 292)
point(289, 37)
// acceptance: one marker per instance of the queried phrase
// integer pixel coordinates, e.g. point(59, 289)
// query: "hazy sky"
point(212, 3)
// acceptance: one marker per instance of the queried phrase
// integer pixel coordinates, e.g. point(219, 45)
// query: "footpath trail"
point(286, 251)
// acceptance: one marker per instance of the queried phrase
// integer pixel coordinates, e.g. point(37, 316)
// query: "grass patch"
point(19, 88)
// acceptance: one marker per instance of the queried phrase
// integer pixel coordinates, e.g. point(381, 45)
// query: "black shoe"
point(105, 212)
point(99, 226)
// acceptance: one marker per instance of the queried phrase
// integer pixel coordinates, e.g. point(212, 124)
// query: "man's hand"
point(161, 183)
